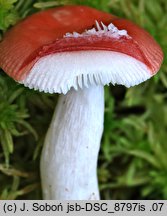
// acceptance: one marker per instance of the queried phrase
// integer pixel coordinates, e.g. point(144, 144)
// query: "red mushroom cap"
point(50, 32)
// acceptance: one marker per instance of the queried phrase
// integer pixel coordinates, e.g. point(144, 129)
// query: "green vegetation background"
point(133, 157)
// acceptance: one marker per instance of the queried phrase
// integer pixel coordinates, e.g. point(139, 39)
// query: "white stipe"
point(57, 73)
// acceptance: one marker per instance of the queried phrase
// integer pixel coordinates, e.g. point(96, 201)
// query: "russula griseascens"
point(75, 51)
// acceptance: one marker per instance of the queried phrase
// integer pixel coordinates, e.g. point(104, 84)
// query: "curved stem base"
point(70, 152)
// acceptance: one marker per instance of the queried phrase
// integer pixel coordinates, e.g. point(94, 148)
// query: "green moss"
point(132, 162)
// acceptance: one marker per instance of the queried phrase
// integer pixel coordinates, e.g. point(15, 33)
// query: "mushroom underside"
point(59, 72)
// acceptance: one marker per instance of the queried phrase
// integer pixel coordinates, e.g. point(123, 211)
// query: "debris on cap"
point(78, 46)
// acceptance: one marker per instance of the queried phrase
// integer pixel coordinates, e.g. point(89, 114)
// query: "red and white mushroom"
point(75, 51)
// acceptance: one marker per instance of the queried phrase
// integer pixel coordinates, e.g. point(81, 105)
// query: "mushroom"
point(75, 51)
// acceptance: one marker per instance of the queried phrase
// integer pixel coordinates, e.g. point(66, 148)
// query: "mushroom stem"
point(70, 152)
